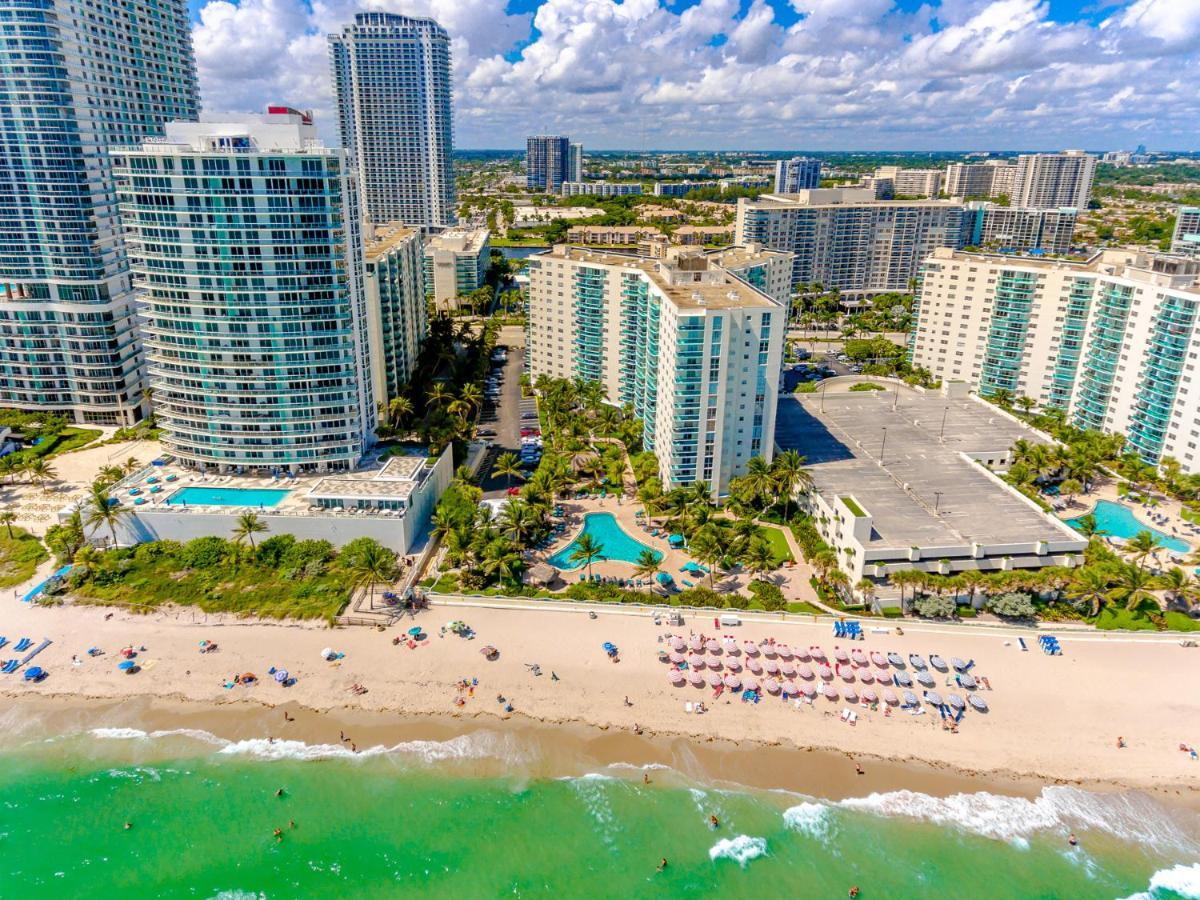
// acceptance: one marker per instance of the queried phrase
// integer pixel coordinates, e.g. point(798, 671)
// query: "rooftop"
point(460, 240)
point(386, 237)
point(1160, 269)
point(925, 493)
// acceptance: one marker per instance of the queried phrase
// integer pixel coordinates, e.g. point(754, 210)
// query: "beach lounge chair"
point(3, 641)
point(22, 645)
point(10, 666)
point(1021, 641)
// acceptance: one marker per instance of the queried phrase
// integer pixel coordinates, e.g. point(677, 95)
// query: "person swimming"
point(853, 892)
point(662, 864)
point(279, 792)
point(713, 822)
point(1072, 840)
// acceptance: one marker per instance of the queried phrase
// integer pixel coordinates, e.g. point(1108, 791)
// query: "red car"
point(514, 492)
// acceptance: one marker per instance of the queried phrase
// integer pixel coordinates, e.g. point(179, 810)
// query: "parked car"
point(487, 432)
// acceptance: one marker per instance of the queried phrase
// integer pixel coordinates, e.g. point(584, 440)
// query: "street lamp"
point(883, 445)
point(942, 431)
point(937, 500)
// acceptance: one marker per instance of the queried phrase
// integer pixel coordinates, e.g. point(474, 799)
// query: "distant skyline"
point(817, 75)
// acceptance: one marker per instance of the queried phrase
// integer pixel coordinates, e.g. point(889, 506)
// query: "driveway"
point(504, 416)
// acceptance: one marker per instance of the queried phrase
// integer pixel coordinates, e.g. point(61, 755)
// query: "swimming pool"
point(214, 496)
point(614, 542)
point(1117, 519)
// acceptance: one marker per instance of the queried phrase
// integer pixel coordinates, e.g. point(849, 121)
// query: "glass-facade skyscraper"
point(391, 80)
point(77, 78)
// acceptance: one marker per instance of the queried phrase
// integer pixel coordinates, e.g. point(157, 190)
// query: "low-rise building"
point(456, 262)
point(599, 189)
point(681, 188)
point(690, 235)
point(611, 235)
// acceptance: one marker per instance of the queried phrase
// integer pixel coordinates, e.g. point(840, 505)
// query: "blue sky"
point(757, 74)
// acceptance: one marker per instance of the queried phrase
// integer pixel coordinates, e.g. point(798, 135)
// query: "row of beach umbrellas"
point(858, 657)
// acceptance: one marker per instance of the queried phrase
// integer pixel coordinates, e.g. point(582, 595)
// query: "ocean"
point(458, 818)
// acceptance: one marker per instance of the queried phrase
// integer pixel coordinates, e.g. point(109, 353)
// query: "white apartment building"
point(456, 262)
point(1185, 241)
point(78, 77)
point(247, 252)
point(911, 182)
point(992, 179)
point(1010, 229)
point(800, 173)
point(397, 317)
point(1053, 180)
point(694, 349)
point(1113, 341)
point(391, 81)
point(599, 189)
point(845, 238)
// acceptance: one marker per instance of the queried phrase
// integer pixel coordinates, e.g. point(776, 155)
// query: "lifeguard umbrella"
point(678, 643)
point(754, 666)
point(879, 659)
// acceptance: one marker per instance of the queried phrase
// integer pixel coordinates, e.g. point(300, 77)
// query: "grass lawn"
point(20, 556)
point(1112, 618)
point(802, 607)
point(1189, 515)
point(249, 590)
point(65, 441)
point(779, 544)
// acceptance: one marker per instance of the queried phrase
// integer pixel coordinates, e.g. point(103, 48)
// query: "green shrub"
point(700, 596)
point(769, 596)
point(1012, 605)
point(737, 601)
point(805, 387)
point(272, 551)
point(204, 552)
point(966, 612)
point(300, 554)
point(934, 607)
point(891, 612)
point(867, 386)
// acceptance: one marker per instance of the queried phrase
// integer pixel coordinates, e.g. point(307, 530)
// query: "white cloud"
point(845, 73)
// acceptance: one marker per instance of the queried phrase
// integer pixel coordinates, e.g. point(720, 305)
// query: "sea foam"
point(810, 819)
point(1177, 881)
point(1130, 817)
point(741, 849)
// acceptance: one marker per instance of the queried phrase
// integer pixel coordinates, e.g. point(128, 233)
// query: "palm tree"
point(1087, 526)
point(131, 465)
point(1142, 545)
point(398, 410)
point(503, 561)
point(111, 474)
point(759, 481)
point(759, 558)
point(587, 549)
point(1177, 583)
point(370, 564)
point(41, 471)
point(101, 509)
point(1089, 587)
point(471, 394)
point(86, 561)
point(7, 517)
point(439, 395)
point(508, 465)
point(1069, 489)
point(1132, 587)
point(866, 587)
point(10, 465)
point(517, 521)
point(791, 476)
point(646, 565)
point(249, 524)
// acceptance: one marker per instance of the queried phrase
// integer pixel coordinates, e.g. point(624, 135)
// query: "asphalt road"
point(504, 417)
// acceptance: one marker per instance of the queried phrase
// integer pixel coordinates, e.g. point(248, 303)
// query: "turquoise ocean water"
point(418, 820)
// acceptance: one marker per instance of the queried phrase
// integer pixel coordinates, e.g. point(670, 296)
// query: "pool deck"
point(1176, 526)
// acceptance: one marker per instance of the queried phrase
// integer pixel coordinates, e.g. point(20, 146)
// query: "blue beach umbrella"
point(126, 665)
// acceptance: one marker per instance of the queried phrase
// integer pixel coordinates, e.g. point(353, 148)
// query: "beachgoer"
point(637, 729)
point(278, 834)
point(859, 769)
point(342, 735)
point(292, 824)
point(553, 675)
point(662, 864)
point(713, 822)
point(628, 702)
point(353, 747)
point(853, 892)
point(1120, 743)
point(286, 717)
point(128, 825)
point(279, 793)
point(1072, 840)
point(645, 778)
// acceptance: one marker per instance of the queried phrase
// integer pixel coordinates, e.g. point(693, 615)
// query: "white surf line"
point(757, 617)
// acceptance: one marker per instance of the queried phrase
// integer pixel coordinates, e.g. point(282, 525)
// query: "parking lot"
point(501, 418)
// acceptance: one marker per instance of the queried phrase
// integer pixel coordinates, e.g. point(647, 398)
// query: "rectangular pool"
point(226, 496)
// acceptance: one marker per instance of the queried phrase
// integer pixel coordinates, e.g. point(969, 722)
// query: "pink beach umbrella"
point(889, 696)
point(712, 646)
point(784, 651)
point(808, 690)
point(825, 671)
point(858, 657)
point(676, 677)
point(882, 677)
point(841, 655)
point(696, 661)
point(754, 666)
point(696, 678)
point(789, 688)
point(869, 695)
point(767, 648)
point(805, 672)
point(802, 655)
point(830, 691)
point(750, 684)
point(714, 680)
point(866, 676)
point(817, 653)
point(771, 666)
point(714, 664)
point(676, 657)
point(788, 669)
point(733, 665)
point(849, 693)
point(730, 645)
point(732, 682)
point(847, 674)
point(695, 643)
point(750, 648)
point(677, 643)
point(879, 659)
point(771, 685)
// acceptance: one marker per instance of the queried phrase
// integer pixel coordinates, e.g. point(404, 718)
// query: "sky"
point(755, 74)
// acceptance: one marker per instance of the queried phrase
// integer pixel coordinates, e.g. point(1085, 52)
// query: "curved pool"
point(1118, 520)
point(614, 542)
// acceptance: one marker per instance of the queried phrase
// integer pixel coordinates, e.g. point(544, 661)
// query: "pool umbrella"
point(859, 658)
point(808, 690)
point(825, 671)
point(841, 655)
point(804, 672)
point(817, 653)
point(714, 680)
point(865, 676)
point(754, 666)
point(771, 666)
point(712, 646)
point(910, 699)
point(696, 661)
point(750, 684)
point(967, 681)
point(789, 688)
point(696, 678)
point(889, 696)
point(676, 540)
point(733, 665)
point(879, 659)
point(676, 658)
point(926, 679)
point(788, 669)
point(895, 659)
point(281, 675)
point(959, 664)
point(677, 643)
point(849, 693)
point(955, 701)
point(978, 702)
point(733, 682)
point(904, 679)
point(127, 664)
point(771, 686)
point(916, 661)
point(676, 677)
point(933, 697)
point(936, 661)
point(751, 648)
point(663, 577)
point(695, 643)
point(869, 695)
point(784, 651)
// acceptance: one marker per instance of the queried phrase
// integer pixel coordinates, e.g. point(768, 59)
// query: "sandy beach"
point(1051, 719)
